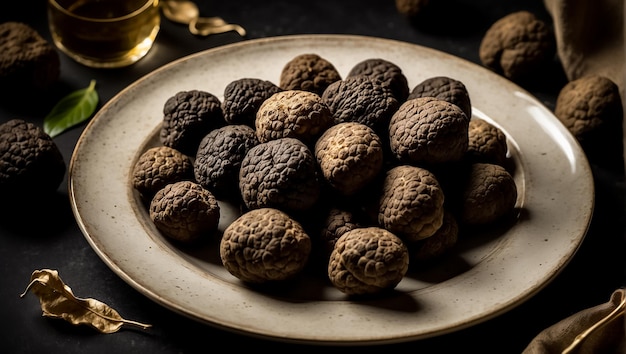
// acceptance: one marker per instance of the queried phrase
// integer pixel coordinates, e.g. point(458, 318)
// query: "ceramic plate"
point(485, 276)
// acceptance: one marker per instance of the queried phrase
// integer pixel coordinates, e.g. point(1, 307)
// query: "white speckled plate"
point(486, 276)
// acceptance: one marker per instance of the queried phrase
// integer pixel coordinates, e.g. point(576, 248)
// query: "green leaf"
point(71, 110)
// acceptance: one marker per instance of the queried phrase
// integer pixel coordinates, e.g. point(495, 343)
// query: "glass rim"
point(147, 4)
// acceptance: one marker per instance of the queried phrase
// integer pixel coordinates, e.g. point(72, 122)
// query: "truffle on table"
point(517, 45)
point(30, 161)
point(27, 60)
point(589, 107)
point(411, 8)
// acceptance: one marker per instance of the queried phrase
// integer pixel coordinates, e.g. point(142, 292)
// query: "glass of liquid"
point(104, 33)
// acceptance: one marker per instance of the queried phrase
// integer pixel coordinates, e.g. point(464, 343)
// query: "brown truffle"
point(337, 221)
point(590, 107)
point(517, 45)
point(487, 143)
point(350, 156)
point(158, 167)
point(185, 212)
point(489, 194)
point(293, 114)
point(243, 97)
point(265, 245)
point(387, 72)
point(219, 156)
point(439, 244)
point(367, 261)
point(27, 60)
point(280, 174)
point(30, 161)
point(308, 72)
point(428, 131)
point(444, 88)
point(187, 117)
point(411, 8)
point(411, 203)
point(361, 99)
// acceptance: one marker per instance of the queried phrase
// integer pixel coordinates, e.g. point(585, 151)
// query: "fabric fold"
point(608, 339)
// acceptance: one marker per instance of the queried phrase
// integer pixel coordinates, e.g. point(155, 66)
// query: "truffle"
point(350, 155)
point(437, 245)
point(219, 156)
point(185, 212)
point(293, 114)
point(489, 194)
point(308, 72)
point(243, 97)
point(158, 167)
point(387, 72)
point(517, 45)
point(30, 161)
point(265, 245)
point(187, 117)
point(444, 88)
point(411, 8)
point(487, 143)
point(367, 261)
point(27, 60)
point(411, 203)
point(361, 99)
point(590, 107)
point(428, 131)
point(280, 174)
point(337, 221)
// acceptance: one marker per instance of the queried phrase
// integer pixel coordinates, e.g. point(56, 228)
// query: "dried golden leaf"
point(58, 301)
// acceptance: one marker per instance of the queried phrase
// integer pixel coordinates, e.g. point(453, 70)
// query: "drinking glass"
point(104, 33)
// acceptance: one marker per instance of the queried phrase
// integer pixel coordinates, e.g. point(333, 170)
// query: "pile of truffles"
point(360, 176)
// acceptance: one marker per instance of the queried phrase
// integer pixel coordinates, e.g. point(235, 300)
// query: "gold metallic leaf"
point(58, 301)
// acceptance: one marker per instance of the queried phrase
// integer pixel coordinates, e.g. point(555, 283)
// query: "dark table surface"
point(51, 238)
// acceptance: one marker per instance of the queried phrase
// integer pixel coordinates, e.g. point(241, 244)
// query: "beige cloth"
point(590, 40)
point(607, 339)
point(590, 37)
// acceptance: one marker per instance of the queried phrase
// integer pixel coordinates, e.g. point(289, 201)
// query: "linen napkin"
point(606, 339)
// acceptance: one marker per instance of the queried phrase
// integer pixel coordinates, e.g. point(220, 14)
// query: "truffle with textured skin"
point(265, 245)
point(367, 261)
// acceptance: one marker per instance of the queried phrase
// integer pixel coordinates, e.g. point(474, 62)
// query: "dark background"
point(47, 235)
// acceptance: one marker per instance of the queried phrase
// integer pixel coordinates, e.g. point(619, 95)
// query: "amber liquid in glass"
point(104, 33)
